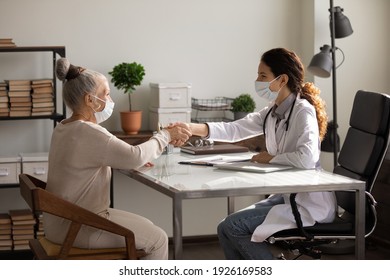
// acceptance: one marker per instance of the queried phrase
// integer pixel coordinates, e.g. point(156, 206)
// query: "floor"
point(210, 250)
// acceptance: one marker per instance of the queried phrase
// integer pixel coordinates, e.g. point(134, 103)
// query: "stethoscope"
point(288, 118)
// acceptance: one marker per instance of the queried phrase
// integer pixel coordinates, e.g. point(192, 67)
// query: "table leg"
point(230, 204)
point(177, 228)
point(360, 225)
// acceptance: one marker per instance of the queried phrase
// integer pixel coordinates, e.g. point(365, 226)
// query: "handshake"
point(179, 132)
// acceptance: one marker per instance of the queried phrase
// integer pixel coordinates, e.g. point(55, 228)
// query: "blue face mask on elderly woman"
point(263, 90)
point(106, 112)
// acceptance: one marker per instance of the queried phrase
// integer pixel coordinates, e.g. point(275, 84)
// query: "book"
point(5, 228)
point(21, 247)
point(20, 108)
point(6, 40)
point(19, 87)
point(5, 219)
point(5, 248)
point(42, 81)
point(42, 104)
point(5, 236)
point(6, 242)
point(37, 96)
point(20, 99)
point(43, 109)
point(24, 222)
point(21, 104)
point(23, 237)
point(7, 43)
point(23, 231)
point(18, 82)
point(4, 99)
point(40, 100)
point(215, 149)
point(46, 113)
point(19, 113)
point(19, 93)
point(40, 90)
point(21, 214)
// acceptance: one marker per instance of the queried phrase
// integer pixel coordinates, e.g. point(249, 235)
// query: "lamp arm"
point(342, 61)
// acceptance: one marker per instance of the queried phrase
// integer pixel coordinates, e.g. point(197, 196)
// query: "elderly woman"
point(81, 156)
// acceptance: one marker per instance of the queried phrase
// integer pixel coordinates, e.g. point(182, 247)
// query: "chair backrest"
point(366, 142)
point(40, 200)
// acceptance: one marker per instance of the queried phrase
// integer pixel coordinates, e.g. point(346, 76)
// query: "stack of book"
point(19, 92)
point(4, 105)
point(42, 97)
point(23, 226)
point(7, 43)
point(40, 232)
point(5, 232)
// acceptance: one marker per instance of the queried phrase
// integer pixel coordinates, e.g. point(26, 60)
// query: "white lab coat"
point(299, 146)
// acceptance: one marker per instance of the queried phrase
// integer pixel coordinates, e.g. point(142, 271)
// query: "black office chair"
point(361, 157)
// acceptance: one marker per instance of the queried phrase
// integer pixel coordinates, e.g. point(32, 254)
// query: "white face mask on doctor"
point(106, 112)
point(263, 90)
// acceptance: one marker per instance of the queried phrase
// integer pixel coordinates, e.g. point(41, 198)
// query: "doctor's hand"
point(262, 157)
point(180, 133)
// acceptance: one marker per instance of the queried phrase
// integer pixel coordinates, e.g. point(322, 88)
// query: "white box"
point(35, 164)
point(170, 95)
point(166, 116)
point(9, 169)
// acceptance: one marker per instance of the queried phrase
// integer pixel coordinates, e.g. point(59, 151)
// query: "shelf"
point(60, 50)
point(57, 117)
point(16, 255)
point(9, 186)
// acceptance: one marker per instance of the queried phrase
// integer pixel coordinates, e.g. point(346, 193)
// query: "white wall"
point(215, 45)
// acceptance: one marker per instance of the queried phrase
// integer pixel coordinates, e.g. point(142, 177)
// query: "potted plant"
point(242, 105)
point(126, 76)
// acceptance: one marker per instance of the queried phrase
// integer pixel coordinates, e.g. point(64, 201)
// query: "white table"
point(189, 182)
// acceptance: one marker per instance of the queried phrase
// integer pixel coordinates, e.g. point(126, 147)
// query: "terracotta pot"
point(131, 121)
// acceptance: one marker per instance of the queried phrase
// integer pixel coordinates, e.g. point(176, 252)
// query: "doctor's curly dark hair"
point(283, 61)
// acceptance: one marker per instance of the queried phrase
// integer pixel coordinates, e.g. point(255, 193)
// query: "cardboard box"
point(35, 164)
point(9, 169)
point(166, 116)
point(170, 95)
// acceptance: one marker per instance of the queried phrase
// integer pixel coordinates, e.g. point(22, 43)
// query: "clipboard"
point(215, 149)
point(252, 167)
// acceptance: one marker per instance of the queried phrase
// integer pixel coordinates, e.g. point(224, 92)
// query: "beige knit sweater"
point(80, 160)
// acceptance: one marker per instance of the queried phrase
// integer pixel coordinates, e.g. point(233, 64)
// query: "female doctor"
point(294, 123)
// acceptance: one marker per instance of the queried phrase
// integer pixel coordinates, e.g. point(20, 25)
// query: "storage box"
point(166, 116)
point(35, 164)
point(170, 95)
point(9, 169)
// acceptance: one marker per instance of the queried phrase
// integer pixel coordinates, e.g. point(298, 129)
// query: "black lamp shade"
point(343, 27)
point(321, 64)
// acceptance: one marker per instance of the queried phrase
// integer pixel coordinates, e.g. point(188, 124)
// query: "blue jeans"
point(236, 230)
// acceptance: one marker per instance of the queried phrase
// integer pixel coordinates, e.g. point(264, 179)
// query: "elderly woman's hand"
point(180, 133)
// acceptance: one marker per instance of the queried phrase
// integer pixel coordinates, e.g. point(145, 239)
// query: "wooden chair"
point(40, 200)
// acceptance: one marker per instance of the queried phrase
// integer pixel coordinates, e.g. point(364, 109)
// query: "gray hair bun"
point(62, 68)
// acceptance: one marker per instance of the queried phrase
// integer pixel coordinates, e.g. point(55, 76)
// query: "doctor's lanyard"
point(287, 121)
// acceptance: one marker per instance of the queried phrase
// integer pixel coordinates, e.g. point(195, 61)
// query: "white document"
point(218, 159)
